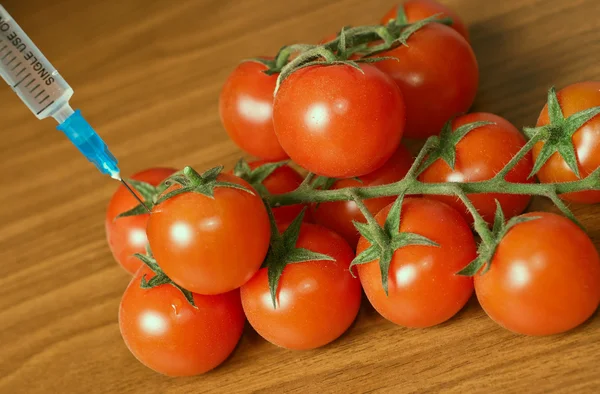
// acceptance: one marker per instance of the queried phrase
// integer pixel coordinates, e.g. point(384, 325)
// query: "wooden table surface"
point(147, 75)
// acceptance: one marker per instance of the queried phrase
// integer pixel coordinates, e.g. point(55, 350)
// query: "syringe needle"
point(135, 195)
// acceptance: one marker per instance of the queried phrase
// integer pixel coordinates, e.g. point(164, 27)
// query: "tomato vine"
point(555, 136)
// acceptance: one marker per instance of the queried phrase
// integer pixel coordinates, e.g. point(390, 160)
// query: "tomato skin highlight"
point(246, 108)
point(210, 246)
point(417, 10)
point(127, 236)
point(337, 121)
point(317, 300)
point(480, 155)
point(586, 140)
point(338, 216)
point(438, 76)
point(544, 278)
point(424, 289)
point(165, 333)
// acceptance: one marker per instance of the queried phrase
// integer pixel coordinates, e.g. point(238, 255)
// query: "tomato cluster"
point(213, 253)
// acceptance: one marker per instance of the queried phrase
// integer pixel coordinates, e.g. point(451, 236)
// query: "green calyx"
point(385, 240)
point(148, 195)
point(402, 20)
point(557, 136)
point(444, 146)
point(349, 41)
point(160, 278)
point(487, 247)
point(283, 251)
point(255, 177)
point(190, 181)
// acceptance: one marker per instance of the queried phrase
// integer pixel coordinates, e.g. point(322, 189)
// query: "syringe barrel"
point(28, 72)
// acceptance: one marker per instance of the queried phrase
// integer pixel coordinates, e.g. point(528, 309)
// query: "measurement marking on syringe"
point(14, 68)
point(33, 90)
point(24, 78)
point(21, 72)
point(45, 98)
point(38, 95)
point(30, 82)
point(5, 56)
point(11, 60)
point(3, 48)
point(42, 110)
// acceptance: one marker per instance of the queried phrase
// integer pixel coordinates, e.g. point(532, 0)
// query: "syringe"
point(47, 94)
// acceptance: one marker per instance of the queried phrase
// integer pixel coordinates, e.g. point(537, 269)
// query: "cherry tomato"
point(283, 180)
point(246, 108)
point(127, 236)
point(316, 300)
point(572, 99)
point(417, 10)
point(210, 245)
point(438, 75)
point(544, 277)
point(339, 215)
point(480, 155)
point(337, 121)
point(165, 333)
point(423, 287)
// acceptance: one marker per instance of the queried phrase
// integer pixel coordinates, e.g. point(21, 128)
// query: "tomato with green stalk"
point(209, 232)
point(338, 120)
point(407, 260)
point(476, 147)
point(174, 331)
point(542, 275)
point(572, 150)
point(415, 10)
point(305, 296)
point(437, 72)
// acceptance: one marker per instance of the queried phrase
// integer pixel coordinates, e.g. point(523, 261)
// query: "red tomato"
point(544, 278)
point(438, 75)
point(316, 300)
point(283, 180)
point(246, 108)
point(210, 245)
point(127, 236)
point(417, 10)
point(480, 155)
point(165, 333)
point(572, 99)
point(339, 215)
point(423, 287)
point(337, 121)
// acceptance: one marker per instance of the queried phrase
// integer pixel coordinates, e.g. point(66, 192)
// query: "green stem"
point(563, 208)
point(416, 169)
point(353, 193)
point(479, 224)
point(306, 182)
point(520, 154)
point(412, 187)
point(192, 175)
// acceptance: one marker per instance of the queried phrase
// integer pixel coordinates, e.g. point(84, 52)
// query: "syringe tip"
point(83, 136)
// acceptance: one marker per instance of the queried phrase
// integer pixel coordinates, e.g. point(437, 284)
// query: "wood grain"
point(147, 76)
